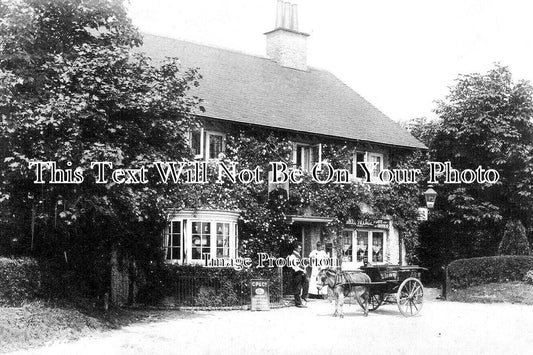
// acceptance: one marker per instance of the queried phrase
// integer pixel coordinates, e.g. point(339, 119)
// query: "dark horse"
point(345, 284)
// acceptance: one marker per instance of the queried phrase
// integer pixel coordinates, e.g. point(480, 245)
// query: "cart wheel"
point(410, 297)
point(375, 301)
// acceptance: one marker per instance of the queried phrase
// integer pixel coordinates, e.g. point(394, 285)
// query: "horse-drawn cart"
point(395, 284)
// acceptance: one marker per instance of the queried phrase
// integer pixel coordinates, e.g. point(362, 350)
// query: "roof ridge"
point(236, 51)
point(207, 45)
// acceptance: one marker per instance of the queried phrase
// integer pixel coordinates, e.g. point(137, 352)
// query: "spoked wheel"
point(410, 297)
point(375, 301)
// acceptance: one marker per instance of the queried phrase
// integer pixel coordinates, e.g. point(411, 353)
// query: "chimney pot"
point(287, 15)
point(294, 17)
point(279, 15)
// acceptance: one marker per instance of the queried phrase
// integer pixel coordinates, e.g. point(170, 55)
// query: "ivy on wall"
point(264, 223)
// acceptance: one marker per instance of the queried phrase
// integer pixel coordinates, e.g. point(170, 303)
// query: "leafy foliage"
point(486, 120)
point(20, 281)
point(207, 287)
point(74, 91)
point(479, 271)
point(514, 241)
point(423, 129)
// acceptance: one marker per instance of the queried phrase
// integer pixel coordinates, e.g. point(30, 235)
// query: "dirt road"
point(441, 328)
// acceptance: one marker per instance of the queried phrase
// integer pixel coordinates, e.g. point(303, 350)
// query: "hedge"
point(477, 271)
point(205, 287)
point(20, 281)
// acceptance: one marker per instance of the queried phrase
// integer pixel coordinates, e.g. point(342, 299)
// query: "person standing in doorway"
point(316, 257)
point(301, 282)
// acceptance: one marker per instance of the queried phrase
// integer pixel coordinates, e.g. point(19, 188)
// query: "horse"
point(344, 284)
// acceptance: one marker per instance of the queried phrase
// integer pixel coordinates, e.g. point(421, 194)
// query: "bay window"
point(192, 236)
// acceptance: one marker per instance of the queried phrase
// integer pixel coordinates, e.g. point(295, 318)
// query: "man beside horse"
point(301, 282)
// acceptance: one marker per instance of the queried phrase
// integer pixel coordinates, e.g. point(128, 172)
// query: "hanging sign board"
point(260, 295)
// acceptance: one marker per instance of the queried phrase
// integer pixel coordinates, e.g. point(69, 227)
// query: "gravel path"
point(441, 328)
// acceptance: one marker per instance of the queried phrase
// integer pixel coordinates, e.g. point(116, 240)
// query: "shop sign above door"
point(377, 223)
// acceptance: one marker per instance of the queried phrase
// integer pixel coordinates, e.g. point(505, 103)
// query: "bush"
point(205, 287)
point(514, 241)
point(477, 271)
point(20, 281)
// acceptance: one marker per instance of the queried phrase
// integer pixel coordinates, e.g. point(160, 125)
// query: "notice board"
point(260, 295)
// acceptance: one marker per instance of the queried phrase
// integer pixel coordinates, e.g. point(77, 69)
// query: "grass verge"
point(510, 292)
point(39, 323)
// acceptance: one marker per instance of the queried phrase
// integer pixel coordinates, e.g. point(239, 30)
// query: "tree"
point(514, 241)
point(486, 120)
point(423, 129)
point(73, 91)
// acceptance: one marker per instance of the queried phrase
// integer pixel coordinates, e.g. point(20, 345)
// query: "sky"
point(401, 56)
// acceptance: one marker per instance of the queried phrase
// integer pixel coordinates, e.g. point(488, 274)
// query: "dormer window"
point(305, 156)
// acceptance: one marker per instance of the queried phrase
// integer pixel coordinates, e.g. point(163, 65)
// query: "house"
point(281, 93)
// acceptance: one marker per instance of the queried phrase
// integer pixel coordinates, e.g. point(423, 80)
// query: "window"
point(206, 144)
point(347, 250)
point(359, 171)
point(222, 240)
point(201, 240)
point(377, 247)
point(174, 241)
point(215, 145)
point(191, 236)
point(374, 163)
point(306, 156)
point(369, 246)
point(196, 142)
point(362, 246)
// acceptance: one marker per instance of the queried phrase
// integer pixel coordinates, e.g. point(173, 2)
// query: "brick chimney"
point(285, 44)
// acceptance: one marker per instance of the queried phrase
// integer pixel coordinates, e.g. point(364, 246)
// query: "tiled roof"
point(255, 90)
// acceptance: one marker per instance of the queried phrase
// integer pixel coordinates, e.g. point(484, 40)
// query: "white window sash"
point(189, 143)
point(306, 155)
point(186, 240)
point(207, 143)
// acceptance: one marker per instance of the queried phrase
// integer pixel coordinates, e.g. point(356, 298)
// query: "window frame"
point(369, 156)
point(367, 159)
point(208, 135)
point(186, 220)
point(202, 135)
point(370, 243)
point(309, 148)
